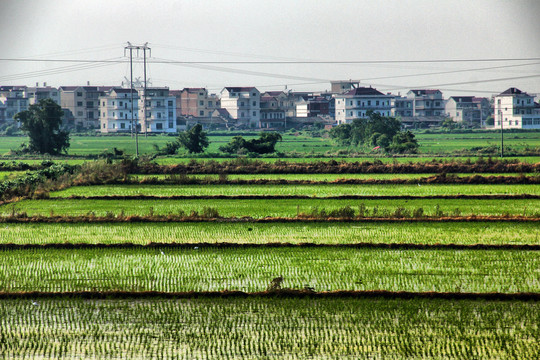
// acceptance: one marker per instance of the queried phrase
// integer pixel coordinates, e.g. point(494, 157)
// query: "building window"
point(170, 103)
point(104, 125)
point(201, 113)
point(241, 103)
point(122, 125)
point(209, 103)
point(79, 113)
point(369, 102)
point(377, 102)
point(79, 93)
point(254, 94)
point(254, 113)
point(201, 102)
point(254, 103)
point(159, 115)
point(79, 103)
point(90, 114)
point(159, 126)
point(171, 125)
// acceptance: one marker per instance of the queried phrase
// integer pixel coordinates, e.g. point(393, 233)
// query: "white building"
point(243, 105)
point(37, 93)
point(12, 100)
point(159, 114)
point(516, 110)
point(427, 102)
point(115, 110)
point(468, 109)
point(355, 104)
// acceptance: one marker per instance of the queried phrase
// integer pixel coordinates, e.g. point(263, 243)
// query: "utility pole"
point(135, 122)
point(502, 135)
point(144, 91)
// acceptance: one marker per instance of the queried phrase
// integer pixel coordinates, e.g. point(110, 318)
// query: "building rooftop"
point(419, 92)
point(362, 91)
point(239, 89)
point(513, 91)
point(461, 99)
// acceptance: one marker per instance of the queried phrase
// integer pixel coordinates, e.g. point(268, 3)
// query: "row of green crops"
point(272, 207)
point(489, 233)
point(252, 269)
point(308, 190)
point(269, 328)
point(312, 177)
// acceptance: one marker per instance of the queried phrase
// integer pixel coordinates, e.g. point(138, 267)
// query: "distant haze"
point(277, 30)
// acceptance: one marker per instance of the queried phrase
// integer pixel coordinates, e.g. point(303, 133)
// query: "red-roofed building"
point(355, 104)
point(516, 109)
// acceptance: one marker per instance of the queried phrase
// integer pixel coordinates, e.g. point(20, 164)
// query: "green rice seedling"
point(271, 328)
point(251, 269)
point(466, 233)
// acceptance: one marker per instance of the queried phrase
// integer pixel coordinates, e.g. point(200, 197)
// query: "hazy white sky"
point(282, 30)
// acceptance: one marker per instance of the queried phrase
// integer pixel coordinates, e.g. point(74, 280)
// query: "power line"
point(274, 62)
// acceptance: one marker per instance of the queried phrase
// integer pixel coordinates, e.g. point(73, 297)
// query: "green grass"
point(8, 175)
point(489, 233)
point(264, 208)
point(309, 190)
point(444, 143)
point(429, 143)
point(269, 328)
point(324, 269)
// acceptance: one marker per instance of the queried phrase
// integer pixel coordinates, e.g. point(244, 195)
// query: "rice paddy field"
point(261, 278)
point(258, 208)
point(305, 190)
point(430, 233)
point(247, 328)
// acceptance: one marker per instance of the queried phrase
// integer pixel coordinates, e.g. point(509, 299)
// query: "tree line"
point(42, 123)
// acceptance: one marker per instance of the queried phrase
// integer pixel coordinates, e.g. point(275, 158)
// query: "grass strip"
point(272, 208)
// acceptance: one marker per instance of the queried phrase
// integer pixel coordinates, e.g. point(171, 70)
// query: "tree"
point(194, 139)
point(404, 141)
point(265, 144)
point(41, 122)
point(375, 130)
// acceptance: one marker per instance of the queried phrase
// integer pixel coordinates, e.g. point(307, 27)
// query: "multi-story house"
point(37, 93)
point(427, 102)
point(470, 110)
point(516, 109)
point(286, 101)
point(357, 102)
point(12, 100)
point(194, 102)
point(272, 115)
point(243, 105)
point(402, 107)
point(158, 115)
point(115, 110)
point(81, 105)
